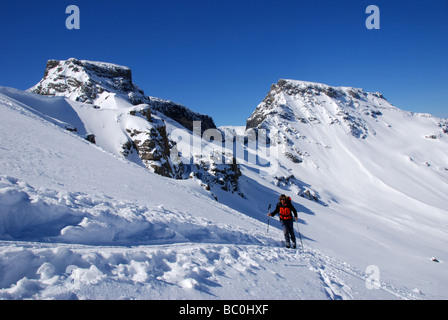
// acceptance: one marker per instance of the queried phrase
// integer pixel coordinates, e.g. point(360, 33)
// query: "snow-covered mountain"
point(357, 140)
point(78, 220)
point(113, 112)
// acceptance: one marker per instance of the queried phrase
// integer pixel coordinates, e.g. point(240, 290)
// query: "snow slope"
point(78, 222)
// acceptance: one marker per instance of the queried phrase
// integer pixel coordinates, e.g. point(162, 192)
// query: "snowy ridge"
point(78, 222)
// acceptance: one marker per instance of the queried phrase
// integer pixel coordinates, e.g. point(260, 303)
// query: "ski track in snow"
point(181, 256)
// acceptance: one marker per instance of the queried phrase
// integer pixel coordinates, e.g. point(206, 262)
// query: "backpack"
point(285, 212)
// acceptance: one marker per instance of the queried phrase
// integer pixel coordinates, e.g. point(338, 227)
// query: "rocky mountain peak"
point(88, 81)
point(93, 82)
point(293, 101)
point(119, 117)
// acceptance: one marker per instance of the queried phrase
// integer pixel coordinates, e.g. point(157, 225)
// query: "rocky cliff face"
point(109, 88)
point(181, 114)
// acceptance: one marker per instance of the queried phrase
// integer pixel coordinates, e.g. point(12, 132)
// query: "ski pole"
point(269, 217)
point(300, 237)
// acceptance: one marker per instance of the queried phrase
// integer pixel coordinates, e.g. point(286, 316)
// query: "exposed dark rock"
point(91, 138)
point(181, 114)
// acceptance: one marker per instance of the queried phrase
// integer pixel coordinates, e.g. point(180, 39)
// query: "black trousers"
point(288, 231)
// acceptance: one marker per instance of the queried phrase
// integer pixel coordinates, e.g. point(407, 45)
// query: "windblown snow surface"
point(77, 222)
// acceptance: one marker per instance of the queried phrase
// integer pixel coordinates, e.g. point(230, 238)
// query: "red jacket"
point(285, 211)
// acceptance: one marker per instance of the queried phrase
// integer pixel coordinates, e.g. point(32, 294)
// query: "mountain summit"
point(88, 81)
point(316, 103)
point(93, 82)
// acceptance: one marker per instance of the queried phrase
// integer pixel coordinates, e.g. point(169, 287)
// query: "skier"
point(286, 209)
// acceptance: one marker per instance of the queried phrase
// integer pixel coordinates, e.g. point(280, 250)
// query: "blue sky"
point(220, 57)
